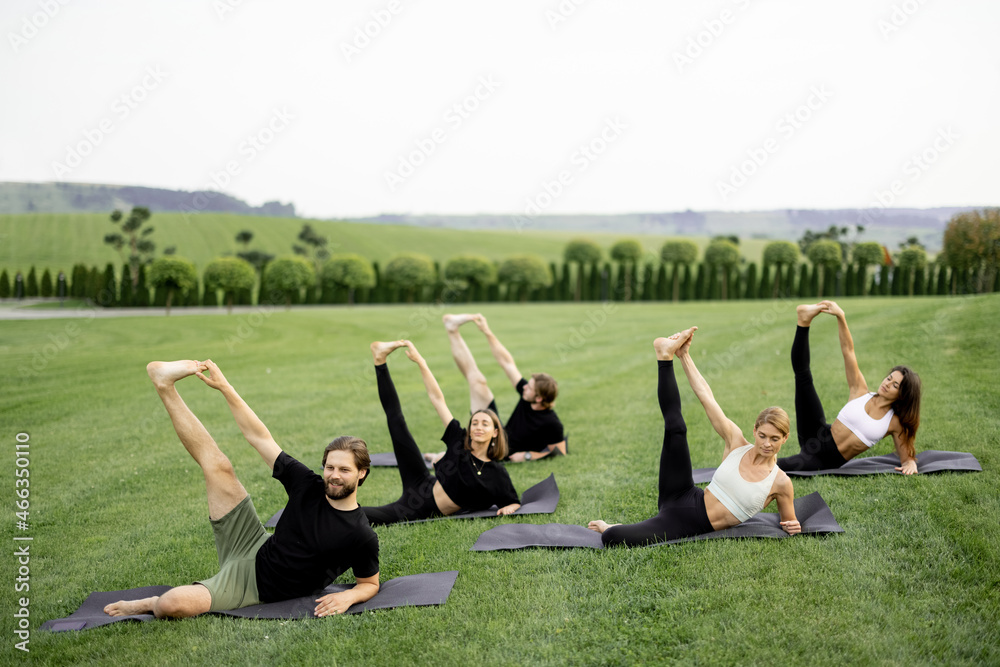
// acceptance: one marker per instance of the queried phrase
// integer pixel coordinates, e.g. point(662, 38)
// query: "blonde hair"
point(776, 417)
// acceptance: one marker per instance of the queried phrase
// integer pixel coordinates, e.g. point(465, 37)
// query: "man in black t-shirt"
point(321, 533)
point(533, 429)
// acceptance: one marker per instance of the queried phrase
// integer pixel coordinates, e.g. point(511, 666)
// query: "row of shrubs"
point(596, 282)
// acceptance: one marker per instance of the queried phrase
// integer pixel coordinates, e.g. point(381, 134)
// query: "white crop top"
point(854, 417)
point(742, 498)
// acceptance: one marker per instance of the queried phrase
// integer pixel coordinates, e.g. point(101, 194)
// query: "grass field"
point(116, 503)
point(58, 241)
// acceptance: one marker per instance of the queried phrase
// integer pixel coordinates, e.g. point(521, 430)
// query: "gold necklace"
point(479, 470)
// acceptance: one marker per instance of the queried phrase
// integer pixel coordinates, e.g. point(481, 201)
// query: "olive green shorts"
point(238, 537)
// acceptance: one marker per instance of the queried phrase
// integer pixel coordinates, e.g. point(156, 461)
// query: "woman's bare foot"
point(453, 322)
point(433, 457)
point(166, 373)
point(807, 311)
point(666, 348)
point(600, 526)
point(381, 350)
point(131, 607)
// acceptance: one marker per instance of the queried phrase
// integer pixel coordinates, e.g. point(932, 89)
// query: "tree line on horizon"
point(968, 264)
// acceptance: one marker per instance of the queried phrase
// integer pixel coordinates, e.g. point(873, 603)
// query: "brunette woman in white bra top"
point(894, 409)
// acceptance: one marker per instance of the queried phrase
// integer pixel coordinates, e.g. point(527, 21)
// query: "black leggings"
point(681, 503)
point(417, 501)
point(817, 450)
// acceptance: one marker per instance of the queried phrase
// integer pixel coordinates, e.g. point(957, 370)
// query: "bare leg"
point(224, 491)
point(180, 602)
point(480, 395)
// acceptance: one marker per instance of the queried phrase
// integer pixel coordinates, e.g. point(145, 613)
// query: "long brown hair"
point(497, 451)
point(547, 388)
point(907, 404)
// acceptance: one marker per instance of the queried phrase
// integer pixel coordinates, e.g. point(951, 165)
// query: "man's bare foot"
point(165, 373)
point(807, 311)
point(666, 348)
point(381, 350)
point(131, 607)
point(600, 526)
point(453, 322)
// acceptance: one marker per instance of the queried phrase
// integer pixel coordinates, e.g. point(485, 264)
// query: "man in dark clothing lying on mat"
point(321, 533)
point(534, 431)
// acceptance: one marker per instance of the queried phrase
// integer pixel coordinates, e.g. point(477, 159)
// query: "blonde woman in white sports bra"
point(894, 409)
point(747, 481)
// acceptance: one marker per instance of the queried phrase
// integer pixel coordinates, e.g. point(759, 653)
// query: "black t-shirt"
point(313, 543)
point(532, 430)
point(472, 484)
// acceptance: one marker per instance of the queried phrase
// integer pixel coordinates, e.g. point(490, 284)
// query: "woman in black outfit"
point(469, 475)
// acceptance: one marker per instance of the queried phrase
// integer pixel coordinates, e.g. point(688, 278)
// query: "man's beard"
point(344, 491)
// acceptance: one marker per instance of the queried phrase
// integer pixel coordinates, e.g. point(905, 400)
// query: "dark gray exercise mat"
point(542, 498)
point(388, 460)
point(928, 461)
point(811, 511)
point(415, 590)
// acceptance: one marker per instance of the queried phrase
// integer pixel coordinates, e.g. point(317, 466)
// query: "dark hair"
point(546, 388)
point(357, 446)
point(907, 405)
point(497, 451)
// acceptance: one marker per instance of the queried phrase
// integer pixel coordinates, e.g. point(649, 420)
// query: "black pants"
point(681, 503)
point(817, 450)
point(417, 501)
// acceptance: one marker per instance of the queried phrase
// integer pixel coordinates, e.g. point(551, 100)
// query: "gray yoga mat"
point(811, 511)
point(415, 590)
point(928, 461)
point(388, 460)
point(542, 498)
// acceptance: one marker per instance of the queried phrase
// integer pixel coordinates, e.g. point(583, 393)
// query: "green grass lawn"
point(57, 241)
point(117, 503)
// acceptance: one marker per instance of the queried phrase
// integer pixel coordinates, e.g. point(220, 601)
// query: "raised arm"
point(725, 427)
point(430, 382)
point(500, 353)
point(251, 426)
point(855, 380)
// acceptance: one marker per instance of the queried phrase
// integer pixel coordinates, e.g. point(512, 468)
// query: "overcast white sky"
point(590, 106)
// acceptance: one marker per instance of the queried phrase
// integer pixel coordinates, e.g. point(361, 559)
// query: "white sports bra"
point(854, 417)
point(742, 498)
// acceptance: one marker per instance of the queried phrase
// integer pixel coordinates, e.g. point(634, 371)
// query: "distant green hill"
point(83, 197)
point(58, 241)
